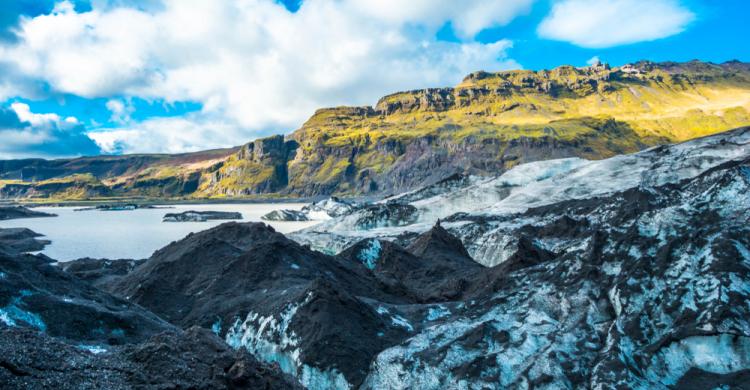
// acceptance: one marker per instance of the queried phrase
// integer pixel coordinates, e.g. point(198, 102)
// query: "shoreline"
point(39, 202)
point(156, 202)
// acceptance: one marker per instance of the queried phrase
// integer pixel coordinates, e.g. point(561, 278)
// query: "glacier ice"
point(369, 255)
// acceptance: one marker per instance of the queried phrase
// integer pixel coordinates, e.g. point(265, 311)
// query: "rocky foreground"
point(58, 331)
point(631, 272)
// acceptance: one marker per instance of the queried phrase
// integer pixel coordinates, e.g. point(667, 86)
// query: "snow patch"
point(402, 322)
point(721, 354)
point(95, 349)
point(13, 313)
point(435, 313)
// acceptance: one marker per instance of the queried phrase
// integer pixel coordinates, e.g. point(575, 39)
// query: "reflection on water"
point(133, 234)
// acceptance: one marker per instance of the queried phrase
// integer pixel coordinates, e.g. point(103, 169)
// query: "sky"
point(87, 77)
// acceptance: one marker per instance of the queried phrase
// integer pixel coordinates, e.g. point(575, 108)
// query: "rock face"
point(21, 212)
point(258, 167)
point(200, 216)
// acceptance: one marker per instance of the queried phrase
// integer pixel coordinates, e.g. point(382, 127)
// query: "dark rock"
point(197, 358)
point(434, 268)
point(38, 295)
point(385, 215)
point(437, 244)
point(193, 359)
point(21, 240)
point(15, 212)
point(99, 272)
point(237, 275)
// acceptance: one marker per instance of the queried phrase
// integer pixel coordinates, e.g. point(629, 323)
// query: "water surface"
point(133, 234)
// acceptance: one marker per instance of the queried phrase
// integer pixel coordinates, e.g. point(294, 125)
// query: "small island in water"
point(201, 216)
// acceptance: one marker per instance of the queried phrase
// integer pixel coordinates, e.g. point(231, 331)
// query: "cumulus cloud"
point(467, 17)
point(28, 134)
point(254, 66)
point(606, 23)
point(170, 135)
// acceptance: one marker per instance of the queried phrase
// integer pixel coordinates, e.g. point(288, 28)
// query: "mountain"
point(487, 124)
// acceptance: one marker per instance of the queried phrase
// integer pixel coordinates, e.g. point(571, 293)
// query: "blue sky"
point(112, 76)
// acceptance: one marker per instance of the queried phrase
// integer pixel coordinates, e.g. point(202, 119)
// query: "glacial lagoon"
point(132, 234)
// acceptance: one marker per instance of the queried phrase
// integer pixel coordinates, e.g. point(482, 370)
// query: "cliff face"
point(493, 121)
point(259, 167)
point(486, 124)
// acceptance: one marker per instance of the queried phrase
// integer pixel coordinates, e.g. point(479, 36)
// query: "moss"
point(332, 169)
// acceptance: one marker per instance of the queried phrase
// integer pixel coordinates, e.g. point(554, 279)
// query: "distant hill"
point(485, 125)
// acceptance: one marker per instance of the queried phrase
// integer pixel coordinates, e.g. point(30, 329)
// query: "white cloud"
point(28, 134)
point(606, 23)
point(593, 60)
point(120, 110)
point(253, 64)
point(169, 135)
point(467, 17)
